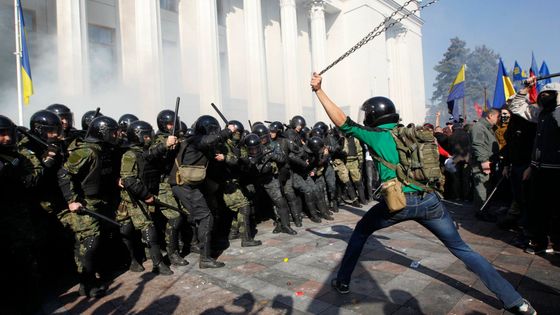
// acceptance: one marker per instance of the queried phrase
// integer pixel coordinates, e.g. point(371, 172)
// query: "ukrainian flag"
point(457, 91)
point(27, 82)
point(504, 88)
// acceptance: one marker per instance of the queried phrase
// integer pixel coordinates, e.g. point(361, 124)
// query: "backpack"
point(418, 158)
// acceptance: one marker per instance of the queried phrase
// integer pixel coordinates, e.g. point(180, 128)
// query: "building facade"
point(252, 58)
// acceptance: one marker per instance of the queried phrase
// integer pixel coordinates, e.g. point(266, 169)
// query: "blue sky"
point(512, 28)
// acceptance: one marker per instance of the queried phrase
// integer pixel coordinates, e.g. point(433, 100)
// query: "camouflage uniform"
point(354, 160)
point(165, 158)
point(86, 178)
point(132, 212)
point(234, 196)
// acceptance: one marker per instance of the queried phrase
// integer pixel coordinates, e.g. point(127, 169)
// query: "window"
point(102, 59)
point(29, 19)
point(169, 5)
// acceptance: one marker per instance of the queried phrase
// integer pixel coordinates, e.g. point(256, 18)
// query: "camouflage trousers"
point(83, 226)
point(341, 170)
point(235, 198)
point(354, 170)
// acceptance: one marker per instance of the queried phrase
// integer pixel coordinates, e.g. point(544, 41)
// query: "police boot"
point(246, 238)
point(312, 208)
point(88, 286)
point(127, 231)
point(323, 210)
point(285, 220)
point(206, 261)
point(173, 247)
point(233, 232)
point(361, 193)
point(277, 227)
point(149, 238)
point(295, 210)
point(350, 192)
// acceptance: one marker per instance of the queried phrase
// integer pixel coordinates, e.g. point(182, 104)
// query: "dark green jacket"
point(382, 144)
point(484, 146)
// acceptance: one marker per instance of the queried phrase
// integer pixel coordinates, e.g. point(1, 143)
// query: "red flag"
point(478, 109)
point(533, 90)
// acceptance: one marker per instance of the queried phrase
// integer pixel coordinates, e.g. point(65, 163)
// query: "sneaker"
point(342, 288)
point(524, 309)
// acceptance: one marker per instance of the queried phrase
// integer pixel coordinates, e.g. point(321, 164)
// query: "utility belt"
point(545, 165)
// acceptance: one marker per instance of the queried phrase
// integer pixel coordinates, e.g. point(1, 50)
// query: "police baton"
point(99, 216)
point(176, 116)
point(543, 77)
point(492, 194)
point(219, 113)
point(166, 205)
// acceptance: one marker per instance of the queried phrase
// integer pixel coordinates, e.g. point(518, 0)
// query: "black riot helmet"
point(297, 121)
point(189, 132)
point(262, 131)
point(126, 120)
point(206, 125)
point(102, 129)
point(253, 144)
point(136, 132)
point(276, 127)
point(238, 125)
point(315, 144)
point(316, 132)
point(379, 110)
point(43, 122)
point(321, 125)
point(88, 117)
point(8, 128)
point(64, 113)
point(164, 118)
point(305, 132)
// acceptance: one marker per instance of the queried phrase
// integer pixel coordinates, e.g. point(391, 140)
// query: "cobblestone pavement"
point(291, 275)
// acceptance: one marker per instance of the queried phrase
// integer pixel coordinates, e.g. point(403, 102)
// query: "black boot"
point(350, 192)
point(246, 237)
point(283, 212)
point(127, 233)
point(150, 239)
point(361, 193)
point(277, 227)
point(323, 210)
point(172, 232)
point(205, 238)
point(313, 212)
point(89, 287)
point(295, 211)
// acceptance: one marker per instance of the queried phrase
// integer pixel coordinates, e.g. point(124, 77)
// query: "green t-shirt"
point(382, 143)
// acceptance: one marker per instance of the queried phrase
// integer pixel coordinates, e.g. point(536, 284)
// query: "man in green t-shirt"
point(422, 206)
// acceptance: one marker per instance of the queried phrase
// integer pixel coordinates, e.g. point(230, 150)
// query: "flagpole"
point(485, 106)
point(18, 62)
point(464, 111)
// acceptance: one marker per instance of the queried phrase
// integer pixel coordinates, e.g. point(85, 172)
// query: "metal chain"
point(377, 31)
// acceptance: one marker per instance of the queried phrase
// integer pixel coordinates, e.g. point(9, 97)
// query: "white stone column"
point(318, 48)
point(210, 86)
point(257, 84)
point(71, 28)
point(288, 21)
point(142, 54)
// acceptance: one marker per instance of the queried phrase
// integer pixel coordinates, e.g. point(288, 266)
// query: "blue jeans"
point(430, 213)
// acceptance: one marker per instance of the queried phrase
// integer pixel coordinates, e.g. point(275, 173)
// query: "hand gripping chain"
point(380, 29)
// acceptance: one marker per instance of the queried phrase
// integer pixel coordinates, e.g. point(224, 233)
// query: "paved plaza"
point(403, 270)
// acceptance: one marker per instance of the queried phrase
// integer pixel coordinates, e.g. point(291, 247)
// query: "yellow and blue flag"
point(504, 88)
point(457, 91)
point(27, 82)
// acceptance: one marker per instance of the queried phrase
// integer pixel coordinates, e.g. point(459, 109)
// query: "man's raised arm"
point(337, 116)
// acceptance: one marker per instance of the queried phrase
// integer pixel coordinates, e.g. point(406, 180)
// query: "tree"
point(481, 72)
point(482, 68)
point(455, 56)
